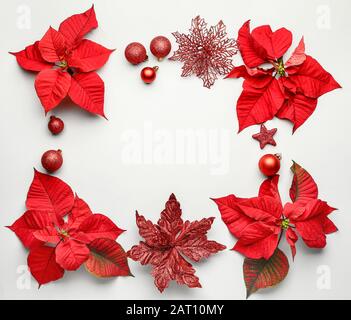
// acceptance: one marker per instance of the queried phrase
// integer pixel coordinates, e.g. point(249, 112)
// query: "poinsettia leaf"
point(275, 43)
point(80, 211)
point(99, 226)
point(52, 86)
point(87, 91)
point(303, 187)
point(313, 80)
point(107, 259)
point(43, 266)
point(71, 254)
point(77, 26)
point(89, 56)
point(297, 109)
point(298, 56)
point(256, 106)
point(252, 53)
point(261, 273)
point(51, 194)
point(27, 224)
point(52, 46)
point(30, 58)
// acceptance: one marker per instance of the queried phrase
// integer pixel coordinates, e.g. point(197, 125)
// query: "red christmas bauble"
point(52, 160)
point(148, 74)
point(55, 125)
point(160, 47)
point(135, 53)
point(269, 164)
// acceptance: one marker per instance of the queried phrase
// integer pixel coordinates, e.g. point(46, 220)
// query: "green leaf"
point(107, 259)
point(261, 273)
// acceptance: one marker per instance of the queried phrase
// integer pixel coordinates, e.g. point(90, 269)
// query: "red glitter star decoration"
point(206, 53)
point(265, 136)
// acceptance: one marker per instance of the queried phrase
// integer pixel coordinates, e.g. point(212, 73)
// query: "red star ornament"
point(265, 136)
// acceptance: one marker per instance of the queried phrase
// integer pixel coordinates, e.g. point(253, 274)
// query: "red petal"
point(256, 106)
point(298, 56)
point(99, 226)
point(30, 58)
point(48, 193)
point(291, 238)
point(275, 43)
point(87, 91)
point(313, 80)
point(263, 208)
point(192, 240)
point(174, 267)
point(77, 26)
point(329, 226)
point(89, 56)
point(27, 224)
point(237, 213)
point(309, 219)
point(146, 254)
point(303, 187)
point(258, 240)
point(234, 218)
point(252, 53)
point(52, 86)
point(43, 266)
point(52, 46)
point(71, 254)
point(297, 109)
point(48, 234)
point(247, 73)
point(260, 274)
point(107, 259)
point(171, 221)
point(269, 187)
point(79, 213)
point(152, 233)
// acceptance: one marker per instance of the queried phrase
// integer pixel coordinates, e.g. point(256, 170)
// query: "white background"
point(93, 147)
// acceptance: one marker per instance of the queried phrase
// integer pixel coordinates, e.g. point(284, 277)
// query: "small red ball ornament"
point(52, 160)
point(269, 164)
point(160, 47)
point(135, 53)
point(55, 125)
point(148, 74)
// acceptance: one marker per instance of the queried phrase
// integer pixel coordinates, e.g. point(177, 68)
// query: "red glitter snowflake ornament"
point(205, 52)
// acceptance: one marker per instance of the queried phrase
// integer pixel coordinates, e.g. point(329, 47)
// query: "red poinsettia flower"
point(57, 243)
point(67, 63)
point(288, 90)
point(259, 222)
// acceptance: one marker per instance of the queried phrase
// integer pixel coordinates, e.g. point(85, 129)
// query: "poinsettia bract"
point(260, 222)
point(288, 89)
point(67, 63)
point(168, 243)
point(62, 233)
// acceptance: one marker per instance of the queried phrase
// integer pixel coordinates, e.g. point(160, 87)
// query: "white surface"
point(93, 147)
